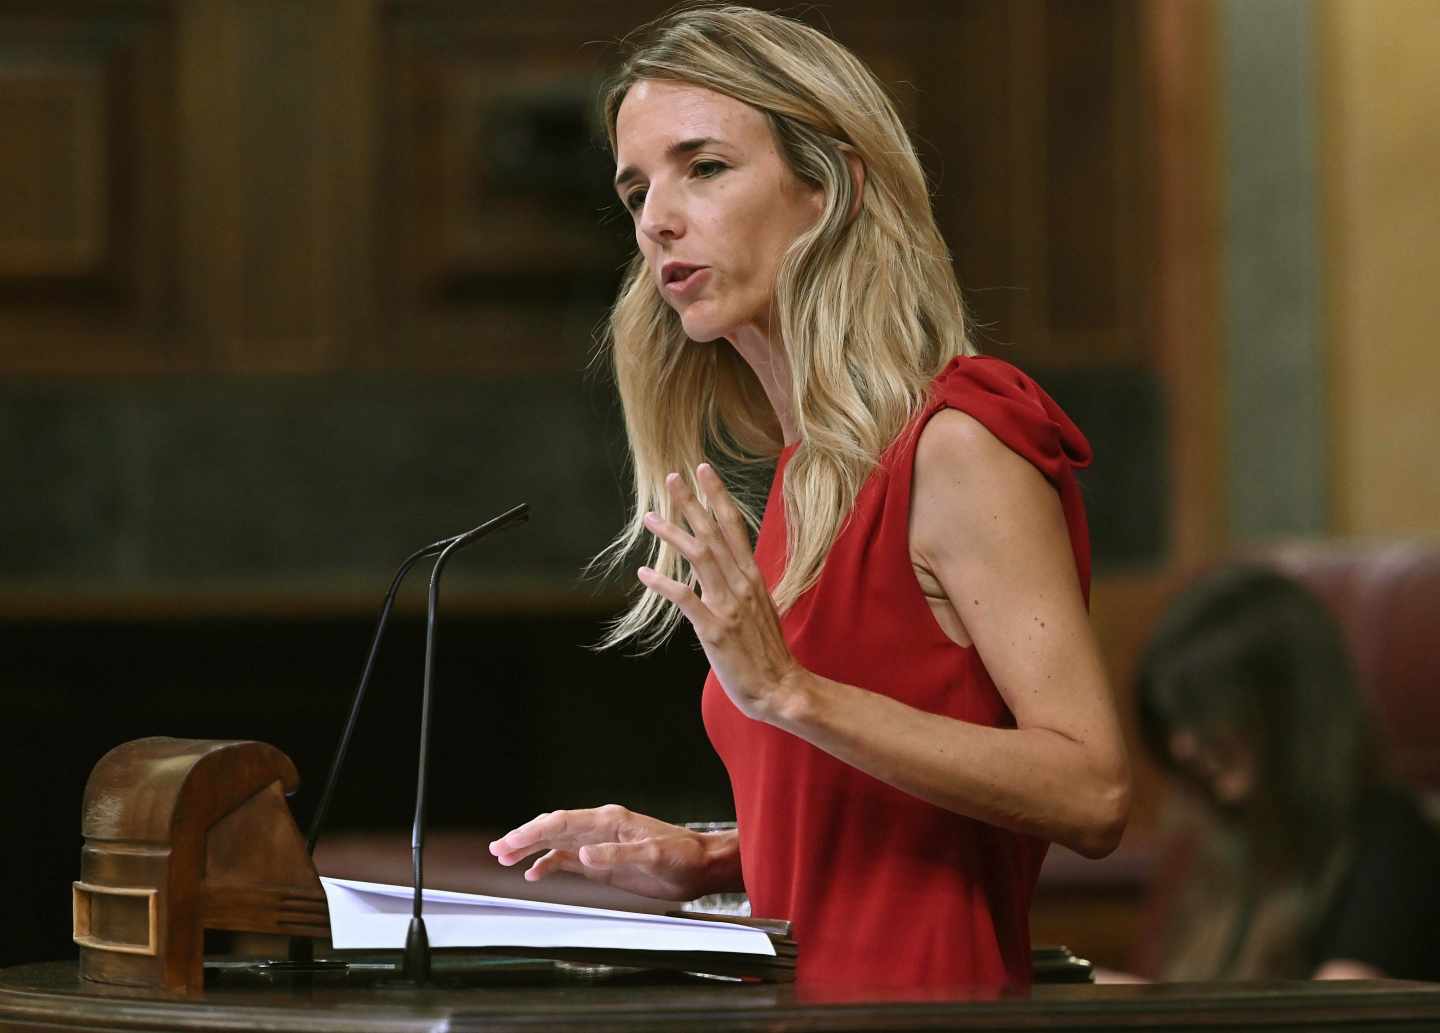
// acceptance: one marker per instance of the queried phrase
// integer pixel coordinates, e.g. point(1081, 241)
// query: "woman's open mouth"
point(681, 279)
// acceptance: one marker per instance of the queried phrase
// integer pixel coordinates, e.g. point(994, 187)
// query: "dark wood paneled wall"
point(348, 184)
point(88, 228)
point(350, 188)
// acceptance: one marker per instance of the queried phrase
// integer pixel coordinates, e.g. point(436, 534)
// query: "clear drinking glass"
point(717, 903)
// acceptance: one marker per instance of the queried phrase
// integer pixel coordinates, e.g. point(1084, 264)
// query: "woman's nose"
point(660, 218)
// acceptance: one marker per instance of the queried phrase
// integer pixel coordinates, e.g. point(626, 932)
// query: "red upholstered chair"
point(1386, 596)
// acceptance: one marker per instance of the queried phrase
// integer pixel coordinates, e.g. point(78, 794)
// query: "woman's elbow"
point(1105, 823)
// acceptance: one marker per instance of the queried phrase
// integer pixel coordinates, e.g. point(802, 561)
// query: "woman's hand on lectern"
point(633, 852)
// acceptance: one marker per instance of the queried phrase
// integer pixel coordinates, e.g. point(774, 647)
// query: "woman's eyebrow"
point(676, 150)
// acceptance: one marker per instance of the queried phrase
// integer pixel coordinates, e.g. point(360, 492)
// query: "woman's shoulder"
point(1004, 404)
point(960, 448)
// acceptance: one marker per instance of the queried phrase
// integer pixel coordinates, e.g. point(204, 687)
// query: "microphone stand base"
point(416, 969)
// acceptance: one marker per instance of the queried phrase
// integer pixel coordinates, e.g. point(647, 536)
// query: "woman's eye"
point(635, 200)
point(706, 169)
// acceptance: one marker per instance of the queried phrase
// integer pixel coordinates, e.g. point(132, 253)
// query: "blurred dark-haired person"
point(1307, 861)
point(904, 685)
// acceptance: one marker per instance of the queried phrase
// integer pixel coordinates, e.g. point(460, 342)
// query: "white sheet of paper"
point(372, 915)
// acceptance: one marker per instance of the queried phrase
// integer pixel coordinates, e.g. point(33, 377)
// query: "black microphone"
point(417, 941)
point(517, 515)
point(344, 746)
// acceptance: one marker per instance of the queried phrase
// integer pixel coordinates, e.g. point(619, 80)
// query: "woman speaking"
point(904, 687)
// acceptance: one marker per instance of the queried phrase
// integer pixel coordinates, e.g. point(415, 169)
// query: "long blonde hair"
point(867, 307)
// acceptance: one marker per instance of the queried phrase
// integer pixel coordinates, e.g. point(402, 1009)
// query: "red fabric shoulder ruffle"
point(1015, 409)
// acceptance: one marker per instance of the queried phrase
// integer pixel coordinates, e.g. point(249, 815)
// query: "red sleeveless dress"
point(881, 888)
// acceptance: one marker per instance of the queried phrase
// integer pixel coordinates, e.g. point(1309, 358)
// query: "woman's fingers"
point(706, 546)
point(566, 861)
point(562, 830)
point(649, 866)
point(534, 835)
point(690, 507)
point(681, 595)
point(727, 517)
point(703, 525)
point(702, 546)
point(611, 845)
point(645, 855)
point(552, 861)
point(714, 586)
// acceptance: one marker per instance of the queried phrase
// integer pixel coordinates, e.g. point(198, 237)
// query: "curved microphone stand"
point(417, 941)
point(416, 945)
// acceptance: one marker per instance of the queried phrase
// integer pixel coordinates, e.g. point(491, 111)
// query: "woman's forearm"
point(1029, 780)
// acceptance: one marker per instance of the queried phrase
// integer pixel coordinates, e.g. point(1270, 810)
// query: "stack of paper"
point(367, 915)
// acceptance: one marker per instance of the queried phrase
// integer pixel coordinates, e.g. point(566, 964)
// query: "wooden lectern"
point(184, 836)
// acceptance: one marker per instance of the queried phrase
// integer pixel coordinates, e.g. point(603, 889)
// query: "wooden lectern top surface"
point(50, 997)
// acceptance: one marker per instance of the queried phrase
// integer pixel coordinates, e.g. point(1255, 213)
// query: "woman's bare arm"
point(992, 531)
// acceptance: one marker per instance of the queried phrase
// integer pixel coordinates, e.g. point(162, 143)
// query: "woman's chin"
point(700, 331)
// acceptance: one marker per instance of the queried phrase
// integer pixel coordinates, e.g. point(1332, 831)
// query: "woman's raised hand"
point(733, 616)
point(633, 852)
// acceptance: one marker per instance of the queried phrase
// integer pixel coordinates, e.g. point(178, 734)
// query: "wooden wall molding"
point(87, 260)
point(276, 108)
point(54, 202)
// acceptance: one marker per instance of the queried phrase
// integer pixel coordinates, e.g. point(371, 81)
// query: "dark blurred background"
point(291, 287)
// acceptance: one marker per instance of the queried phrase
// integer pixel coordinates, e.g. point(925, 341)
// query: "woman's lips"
point(682, 287)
